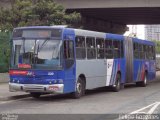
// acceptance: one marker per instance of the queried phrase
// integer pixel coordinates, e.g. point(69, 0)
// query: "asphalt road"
point(99, 101)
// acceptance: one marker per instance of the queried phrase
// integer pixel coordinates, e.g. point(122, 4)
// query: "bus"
point(59, 60)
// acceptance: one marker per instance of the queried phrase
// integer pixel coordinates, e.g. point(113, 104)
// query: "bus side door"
point(69, 66)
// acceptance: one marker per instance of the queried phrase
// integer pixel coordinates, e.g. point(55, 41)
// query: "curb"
point(15, 97)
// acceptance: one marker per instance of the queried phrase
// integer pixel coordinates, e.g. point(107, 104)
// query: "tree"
point(37, 12)
point(157, 42)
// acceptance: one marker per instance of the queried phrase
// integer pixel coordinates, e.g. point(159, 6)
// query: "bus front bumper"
point(54, 88)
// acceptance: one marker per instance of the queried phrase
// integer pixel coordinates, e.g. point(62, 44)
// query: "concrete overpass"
point(120, 11)
point(113, 15)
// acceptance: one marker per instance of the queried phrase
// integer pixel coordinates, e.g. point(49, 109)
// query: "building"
point(152, 32)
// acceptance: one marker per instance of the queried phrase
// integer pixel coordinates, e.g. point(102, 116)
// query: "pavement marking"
point(151, 108)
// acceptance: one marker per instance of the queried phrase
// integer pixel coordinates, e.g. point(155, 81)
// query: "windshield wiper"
point(43, 44)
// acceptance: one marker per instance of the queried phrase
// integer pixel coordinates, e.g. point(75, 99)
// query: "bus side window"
point(116, 49)
point(108, 49)
point(91, 51)
point(80, 47)
point(136, 50)
point(145, 51)
point(68, 53)
point(141, 53)
point(122, 51)
point(151, 53)
point(100, 48)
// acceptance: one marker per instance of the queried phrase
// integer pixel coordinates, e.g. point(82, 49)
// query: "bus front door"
point(69, 66)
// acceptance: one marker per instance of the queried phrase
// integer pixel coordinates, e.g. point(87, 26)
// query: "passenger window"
point(91, 51)
point(151, 53)
point(116, 49)
point(122, 51)
point(136, 50)
point(145, 51)
point(141, 53)
point(108, 49)
point(80, 47)
point(100, 48)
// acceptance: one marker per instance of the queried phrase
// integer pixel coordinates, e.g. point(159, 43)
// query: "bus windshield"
point(36, 53)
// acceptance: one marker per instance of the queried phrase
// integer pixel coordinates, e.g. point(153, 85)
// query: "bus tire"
point(80, 89)
point(142, 83)
point(117, 85)
point(35, 95)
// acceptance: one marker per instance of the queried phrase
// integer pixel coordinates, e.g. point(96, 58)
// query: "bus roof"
point(115, 36)
point(141, 41)
point(89, 33)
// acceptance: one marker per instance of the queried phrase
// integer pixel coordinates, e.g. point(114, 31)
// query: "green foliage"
point(29, 13)
point(41, 12)
point(4, 51)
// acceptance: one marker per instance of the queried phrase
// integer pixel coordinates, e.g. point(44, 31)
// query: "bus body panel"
point(37, 80)
point(94, 70)
point(151, 70)
point(143, 66)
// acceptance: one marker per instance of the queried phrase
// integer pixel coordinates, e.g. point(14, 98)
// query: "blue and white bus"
point(52, 59)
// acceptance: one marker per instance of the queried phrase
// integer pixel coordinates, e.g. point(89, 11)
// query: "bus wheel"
point(35, 95)
point(117, 85)
point(80, 89)
point(142, 83)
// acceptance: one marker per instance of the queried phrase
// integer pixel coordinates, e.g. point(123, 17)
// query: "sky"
point(139, 29)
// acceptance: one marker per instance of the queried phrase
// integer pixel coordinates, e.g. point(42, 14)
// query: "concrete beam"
point(93, 24)
point(76, 4)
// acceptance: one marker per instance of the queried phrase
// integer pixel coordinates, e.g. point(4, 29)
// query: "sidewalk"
point(5, 94)
point(4, 78)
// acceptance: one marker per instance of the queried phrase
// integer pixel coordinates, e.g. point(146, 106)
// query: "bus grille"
point(33, 88)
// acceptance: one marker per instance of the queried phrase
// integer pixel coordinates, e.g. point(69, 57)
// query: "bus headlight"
point(55, 81)
point(60, 81)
